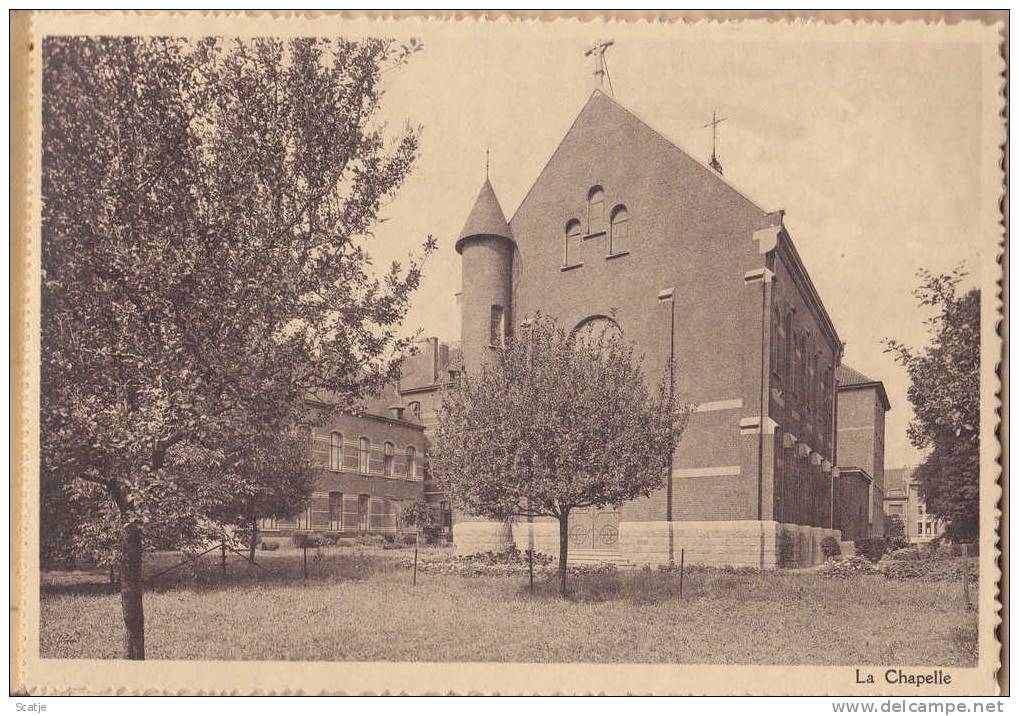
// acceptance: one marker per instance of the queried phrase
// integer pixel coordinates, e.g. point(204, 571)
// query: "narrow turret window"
point(620, 234)
point(595, 211)
point(497, 329)
point(571, 241)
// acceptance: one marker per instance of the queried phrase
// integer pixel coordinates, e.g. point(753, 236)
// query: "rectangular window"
point(498, 326)
point(364, 455)
point(335, 511)
point(919, 528)
point(335, 451)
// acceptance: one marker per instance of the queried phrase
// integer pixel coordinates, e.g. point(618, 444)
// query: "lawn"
point(362, 606)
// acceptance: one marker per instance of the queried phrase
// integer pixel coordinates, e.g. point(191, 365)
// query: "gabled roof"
point(486, 218)
point(847, 378)
point(898, 478)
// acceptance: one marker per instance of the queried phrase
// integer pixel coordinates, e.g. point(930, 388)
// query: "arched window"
point(570, 248)
point(412, 470)
point(595, 210)
point(335, 451)
point(387, 459)
point(620, 231)
point(364, 455)
point(597, 328)
point(415, 408)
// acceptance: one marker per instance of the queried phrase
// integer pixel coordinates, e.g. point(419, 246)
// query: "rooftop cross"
point(715, 121)
point(601, 70)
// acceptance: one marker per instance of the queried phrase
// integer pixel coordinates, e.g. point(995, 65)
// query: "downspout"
point(668, 294)
point(834, 440)
point(760, 425)
point(672, 397)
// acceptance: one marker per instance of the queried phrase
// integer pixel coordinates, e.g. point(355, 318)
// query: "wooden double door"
point(592, 528)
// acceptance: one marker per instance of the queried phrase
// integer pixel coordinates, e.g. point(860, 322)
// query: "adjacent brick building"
point(624, 228)
point(902, 499)
point(860, 481)
point(368, 466)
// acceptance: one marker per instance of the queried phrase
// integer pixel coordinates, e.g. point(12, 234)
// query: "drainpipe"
point(668, 294)
point(760, 431)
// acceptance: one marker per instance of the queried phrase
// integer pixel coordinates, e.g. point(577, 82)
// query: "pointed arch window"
point(619, 234)
point(571, 241)
point(595, 211)
point(335, 451)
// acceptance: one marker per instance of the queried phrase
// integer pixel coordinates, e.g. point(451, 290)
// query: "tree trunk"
point(564, 538)
point(254, 539)
point(131, 587)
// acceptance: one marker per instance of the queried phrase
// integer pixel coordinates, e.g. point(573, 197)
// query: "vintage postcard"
point(507, 353)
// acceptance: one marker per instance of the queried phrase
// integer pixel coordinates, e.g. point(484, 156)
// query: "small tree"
point(274, 478)
point(945, 393)
point(554, 422)
point(895, 532)
point(418, 515)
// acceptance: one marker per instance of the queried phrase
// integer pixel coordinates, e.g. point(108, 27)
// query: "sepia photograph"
point(477, 353)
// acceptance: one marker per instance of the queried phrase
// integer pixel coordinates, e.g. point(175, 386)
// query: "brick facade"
point(701, 273)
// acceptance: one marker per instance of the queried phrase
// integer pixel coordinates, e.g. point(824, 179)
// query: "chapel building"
point(624, 229)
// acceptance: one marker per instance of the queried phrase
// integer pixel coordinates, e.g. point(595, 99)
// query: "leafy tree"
point(555, 421)
point(945, 393)
point(207, 209)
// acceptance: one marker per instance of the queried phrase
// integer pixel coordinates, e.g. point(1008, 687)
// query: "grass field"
point(362, 606)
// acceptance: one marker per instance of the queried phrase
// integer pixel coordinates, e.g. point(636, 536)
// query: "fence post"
point(222, 556)
point(682, 560)
point(417, 539)
point(305, 563)
point(530, 566)
point(965, 582)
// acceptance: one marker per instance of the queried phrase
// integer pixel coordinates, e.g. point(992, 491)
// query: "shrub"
point(389, 538)
point(409, 539)
point(956, 549)
point(895, 533)
point(309, 540)
point(872, 548)
point(830, 547)
point(904, 554)
point(269, 546)
point(392, 545)
point(928, 570)
point(930, 550)
point(845, 567)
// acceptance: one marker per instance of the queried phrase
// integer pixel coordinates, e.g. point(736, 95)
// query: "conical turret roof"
point(486, 218)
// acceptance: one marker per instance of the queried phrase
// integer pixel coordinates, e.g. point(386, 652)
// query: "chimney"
point(396, 411)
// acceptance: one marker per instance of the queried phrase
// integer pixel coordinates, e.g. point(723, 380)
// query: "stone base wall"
point(736, 543)
point(482, 536)
point(542, 537)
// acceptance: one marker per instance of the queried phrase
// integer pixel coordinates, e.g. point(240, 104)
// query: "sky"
point(871, 147)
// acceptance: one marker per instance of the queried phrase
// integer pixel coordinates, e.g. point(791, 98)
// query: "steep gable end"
point(605, 123)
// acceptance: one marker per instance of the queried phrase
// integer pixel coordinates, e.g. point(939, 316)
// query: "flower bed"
point(512, 562)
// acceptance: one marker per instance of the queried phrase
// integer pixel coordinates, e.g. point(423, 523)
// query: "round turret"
point(486, 249)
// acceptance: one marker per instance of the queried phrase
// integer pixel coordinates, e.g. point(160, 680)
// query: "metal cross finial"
point(715, 121)
point(601, 70)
